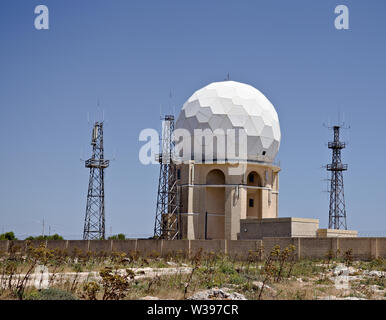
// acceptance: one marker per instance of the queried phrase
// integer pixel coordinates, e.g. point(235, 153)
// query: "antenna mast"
point(337, 211)
point(167, 216)
point(94, 223)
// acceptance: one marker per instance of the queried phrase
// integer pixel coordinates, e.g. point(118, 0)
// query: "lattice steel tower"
point(337, 212)
point(167, 218)
point(94, 223)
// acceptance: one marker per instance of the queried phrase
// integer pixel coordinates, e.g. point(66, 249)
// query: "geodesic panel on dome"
point(232, 105)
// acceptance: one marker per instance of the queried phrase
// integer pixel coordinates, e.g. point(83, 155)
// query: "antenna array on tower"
point(337, 210)
point(167, 216)
point(94, 223)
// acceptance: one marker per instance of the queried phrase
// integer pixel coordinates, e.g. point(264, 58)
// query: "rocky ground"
point(337, 283)
point(42, 279)
point(218, 278)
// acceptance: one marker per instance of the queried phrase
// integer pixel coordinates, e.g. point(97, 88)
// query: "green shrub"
point(50, 294)
point(378, 264)
point(227, 268)
point(8, 236)
point(53, 237)
point(237, 279)
point(77, 267)
point(119, 236)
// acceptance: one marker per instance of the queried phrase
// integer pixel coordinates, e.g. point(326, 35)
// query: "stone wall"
point(180, 247)
point(361, 247)
point(241, 249)
point(335, 233)
point(381, 244)
point(277, 227)
point(313, 248)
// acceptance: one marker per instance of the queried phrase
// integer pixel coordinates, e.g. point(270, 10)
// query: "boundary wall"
point(312, 248)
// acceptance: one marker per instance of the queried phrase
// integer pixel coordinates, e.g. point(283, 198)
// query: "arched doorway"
point(215, 205)
point(254, 203)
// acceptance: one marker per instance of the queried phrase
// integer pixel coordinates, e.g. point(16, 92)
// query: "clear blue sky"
point(129, 54)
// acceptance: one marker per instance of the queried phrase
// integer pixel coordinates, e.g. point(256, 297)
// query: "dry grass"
point(283, 277)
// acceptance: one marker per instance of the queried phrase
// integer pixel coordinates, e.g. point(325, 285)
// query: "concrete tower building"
point(228, 135)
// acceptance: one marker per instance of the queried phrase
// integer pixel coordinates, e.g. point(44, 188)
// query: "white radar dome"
point(232, 105)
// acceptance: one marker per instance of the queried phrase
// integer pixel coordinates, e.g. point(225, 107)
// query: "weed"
point(90, 290)
point(324, 281)
point(196, 264)
point(348, 257)
point(51, 294)
point(115, 285)
point(300, 295)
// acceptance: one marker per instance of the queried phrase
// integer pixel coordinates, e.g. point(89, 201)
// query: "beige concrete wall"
point(17, 245)
point(100, 246)
point(361, 247)
point(125, 246)
point(335, 233)
point(240, 249)
point(37, 243)
point(304, 227)
point(77, 245)
point(57, 244)
point(148, 247)
point(256, 195)
point(269, 243)
point(172, 247)
point(381, 244)
point(317, 248)
point(256, 210)
point(207, 246)
point(216, 227)
point(215, 206)
point(314, 247)
point(215, 200)
point(277, 227)
point(4, 246)
point(190, 223)
point(250, 230)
